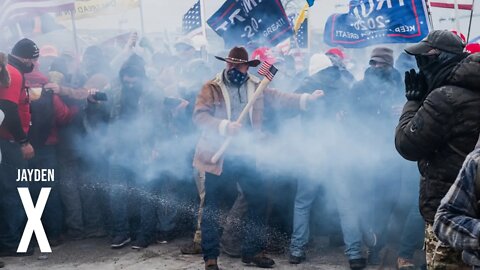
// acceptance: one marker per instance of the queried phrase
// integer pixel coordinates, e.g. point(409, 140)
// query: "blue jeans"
point(12, 213)
point(413, 232)
point(52, 219)
point(222, 190)
point(354, 211)
point(307, 191)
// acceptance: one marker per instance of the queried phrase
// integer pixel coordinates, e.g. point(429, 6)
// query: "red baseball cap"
point(472, 48)
point(336, 51)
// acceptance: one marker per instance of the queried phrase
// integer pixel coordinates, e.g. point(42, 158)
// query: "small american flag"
point(268, 70)
point(192, 20)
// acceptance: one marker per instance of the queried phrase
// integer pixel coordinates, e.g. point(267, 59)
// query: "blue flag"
point(251, 21)
point(374, 22)
point(310, 2)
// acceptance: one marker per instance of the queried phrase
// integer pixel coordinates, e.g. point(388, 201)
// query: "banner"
point(92, 8)
point(248, 21)
point(370, 22)
point(11, 11)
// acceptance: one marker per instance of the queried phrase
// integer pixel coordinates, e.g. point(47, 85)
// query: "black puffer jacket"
point(440, 131)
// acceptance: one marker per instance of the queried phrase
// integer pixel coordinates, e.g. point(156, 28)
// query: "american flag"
point(11, 11)
point(462, 4)
point(192, 20)
point(268, 70)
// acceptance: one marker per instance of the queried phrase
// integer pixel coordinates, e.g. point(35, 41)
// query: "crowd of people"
point(133, 138)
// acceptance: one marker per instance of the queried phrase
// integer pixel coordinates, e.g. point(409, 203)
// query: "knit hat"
point(26, 48)
point(318, 62)
point(382, 55)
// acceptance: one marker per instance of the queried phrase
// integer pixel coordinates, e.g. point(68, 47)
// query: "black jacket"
point(441, 130)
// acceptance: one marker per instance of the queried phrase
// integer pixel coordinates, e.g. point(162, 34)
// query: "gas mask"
point(236, 77)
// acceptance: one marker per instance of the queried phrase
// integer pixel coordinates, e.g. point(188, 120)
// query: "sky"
point(162, 15)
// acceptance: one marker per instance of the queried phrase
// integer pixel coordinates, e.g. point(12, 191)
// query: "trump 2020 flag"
point(251, 21)
point(370, 22)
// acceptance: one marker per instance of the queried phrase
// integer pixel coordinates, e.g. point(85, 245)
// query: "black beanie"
point(26, 48)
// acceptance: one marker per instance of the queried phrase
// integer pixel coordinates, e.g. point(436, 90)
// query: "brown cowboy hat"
point(239, 55)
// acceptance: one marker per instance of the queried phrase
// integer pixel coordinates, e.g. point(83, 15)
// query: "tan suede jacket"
point(212, 114)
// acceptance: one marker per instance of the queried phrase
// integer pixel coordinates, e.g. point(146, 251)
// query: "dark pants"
point(82, 185)
point(159, 206)
point(223, 190)
point(124, 192)
point(12, 213)
point(52, 218)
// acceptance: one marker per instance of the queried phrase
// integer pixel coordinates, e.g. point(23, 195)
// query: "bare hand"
point(52, 86)
point(233, 128)
point(27, 151)
point(316, 95)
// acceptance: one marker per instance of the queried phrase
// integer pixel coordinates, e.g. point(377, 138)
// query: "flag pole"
point(470, 22)
point(308, 31)
point(457, 22)
point(204, 29)
point(74, 30)
point(202, 17)
point(429, 13)
point(142, 23)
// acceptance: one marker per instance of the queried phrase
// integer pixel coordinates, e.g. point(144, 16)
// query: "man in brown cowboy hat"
point(218, 105)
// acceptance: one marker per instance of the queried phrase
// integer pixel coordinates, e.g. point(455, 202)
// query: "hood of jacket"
point(467, 73)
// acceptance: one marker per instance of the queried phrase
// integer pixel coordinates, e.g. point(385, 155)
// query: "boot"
point(259, 260)
point(211, 264)
point(191, 248)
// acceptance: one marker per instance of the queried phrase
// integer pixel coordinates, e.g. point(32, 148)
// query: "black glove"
point(415, 86)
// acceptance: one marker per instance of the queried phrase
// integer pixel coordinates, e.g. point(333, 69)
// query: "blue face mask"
point(236, 77)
